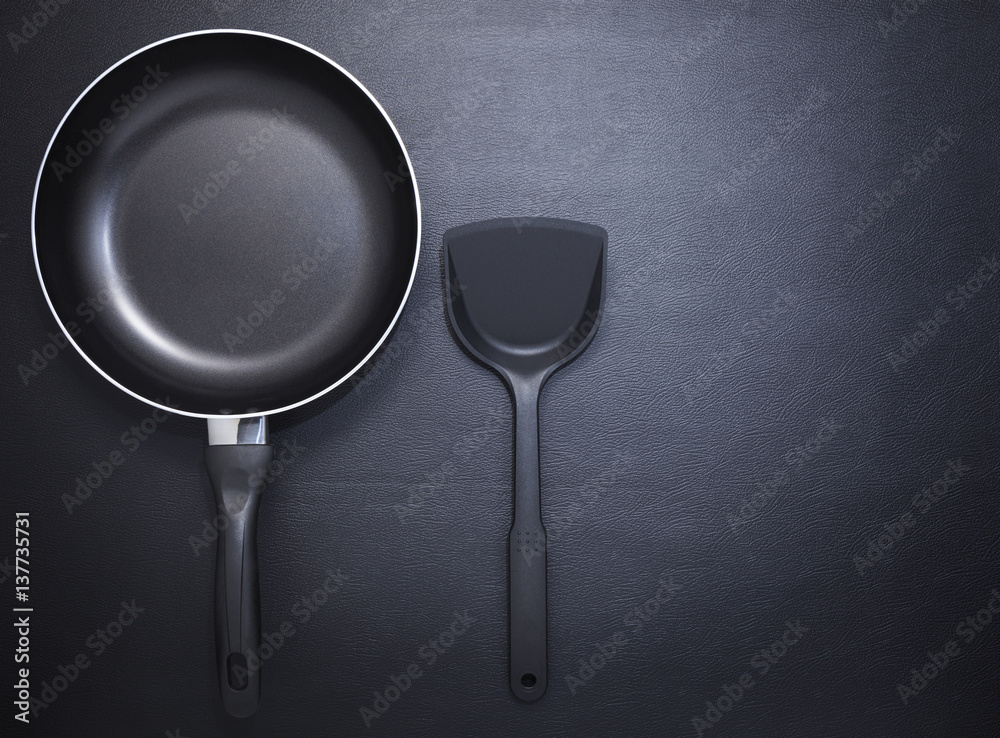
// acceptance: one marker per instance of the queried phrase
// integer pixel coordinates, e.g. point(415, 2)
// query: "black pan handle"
point(237, 473)
point(528, 668)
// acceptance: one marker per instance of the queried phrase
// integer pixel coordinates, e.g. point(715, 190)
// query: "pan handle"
point(526, 555)
point(237, 472)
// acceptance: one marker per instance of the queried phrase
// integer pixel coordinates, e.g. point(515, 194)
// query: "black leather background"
point(744, 424)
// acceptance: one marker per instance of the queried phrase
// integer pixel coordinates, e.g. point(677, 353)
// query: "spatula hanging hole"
point(528, 680)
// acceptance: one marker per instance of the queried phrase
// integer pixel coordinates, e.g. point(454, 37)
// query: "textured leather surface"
point(798, 198)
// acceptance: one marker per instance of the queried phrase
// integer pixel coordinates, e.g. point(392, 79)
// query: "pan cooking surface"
point(215, 218)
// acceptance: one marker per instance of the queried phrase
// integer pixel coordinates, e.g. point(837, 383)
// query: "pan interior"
point(226, 220)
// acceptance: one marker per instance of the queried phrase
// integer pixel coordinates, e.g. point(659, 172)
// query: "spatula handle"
point(528, 668)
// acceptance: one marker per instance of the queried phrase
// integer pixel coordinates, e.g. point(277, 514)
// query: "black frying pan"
point(226, 226)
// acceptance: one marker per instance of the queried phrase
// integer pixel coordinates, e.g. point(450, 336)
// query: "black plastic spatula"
point(526, 296)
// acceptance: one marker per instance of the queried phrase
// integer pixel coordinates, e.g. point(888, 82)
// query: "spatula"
point(525, 296)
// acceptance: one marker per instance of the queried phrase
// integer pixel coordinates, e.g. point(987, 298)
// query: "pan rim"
point(416, 197)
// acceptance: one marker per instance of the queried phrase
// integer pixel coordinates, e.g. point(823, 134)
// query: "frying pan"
point(226, 226)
